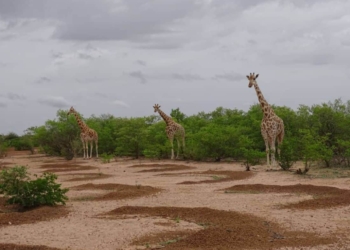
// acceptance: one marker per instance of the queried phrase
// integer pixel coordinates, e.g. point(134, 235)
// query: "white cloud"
point(55, 101)
point(120, 103)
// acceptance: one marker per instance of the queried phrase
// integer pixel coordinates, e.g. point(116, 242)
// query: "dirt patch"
point(88, 176)
point(218, 176)
point(161, 167)
point(10, 215)
point(55, 168)
point(161, 239)
point(324, 197)
point(223, 229)
point(120, 191)
point(5, 246)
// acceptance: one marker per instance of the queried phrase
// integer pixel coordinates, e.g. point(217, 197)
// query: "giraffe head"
point(156, 107)
point(252, 78)
point(71, 110)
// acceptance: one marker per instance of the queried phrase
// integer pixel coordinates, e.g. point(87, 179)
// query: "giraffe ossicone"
point(173, 131)
point(272, 126)
point(87, 135)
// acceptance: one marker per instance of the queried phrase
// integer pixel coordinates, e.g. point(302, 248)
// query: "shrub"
point(106, 158)
point(17, 186)
point(288, 154)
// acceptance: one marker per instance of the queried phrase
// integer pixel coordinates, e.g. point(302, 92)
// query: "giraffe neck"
point(166, 118)
point(81, 124)
point(265, 107)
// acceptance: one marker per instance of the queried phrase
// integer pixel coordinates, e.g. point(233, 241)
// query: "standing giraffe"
point(173, 130)
point(272, 126)
point(87, 135)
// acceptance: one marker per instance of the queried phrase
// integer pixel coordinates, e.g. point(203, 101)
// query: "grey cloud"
point(102, 20)
point(307, 58)
point(101, 95)
point(187, 77)
point(43, 80)
point(14, 96)
point(3, 65)
point(140, 62)
point(55, 101)
point(3, 104)
point(7, 37)
point(229, 77)
point(161, 45)
point(139, 75)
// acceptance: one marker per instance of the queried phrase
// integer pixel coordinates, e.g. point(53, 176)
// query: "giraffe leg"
point(273, 151)
point(172, 148)
point(267, 156)
point(264, 135)
point(178, 148)
point(83, 142)
point(87, 149)
point(91, 146)
point(279, 142)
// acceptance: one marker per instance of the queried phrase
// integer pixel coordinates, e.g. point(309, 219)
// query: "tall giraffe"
point(87, 135)
point(173, 130)
point(272, 126)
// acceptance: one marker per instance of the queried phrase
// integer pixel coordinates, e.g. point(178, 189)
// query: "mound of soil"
point(161, 167)
point(324, 197)
point(223, 229)
point(120, 191)
point(220, 176)
point(88, 176)
point(5, 246)
point(10, 215)
point(54, 168)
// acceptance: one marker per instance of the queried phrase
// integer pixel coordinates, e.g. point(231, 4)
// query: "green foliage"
point(106, 158)
point(315, 134)
point(313, 148)
point(289, 153)
point(17, 186)
point(250, 155)
point(131, 137)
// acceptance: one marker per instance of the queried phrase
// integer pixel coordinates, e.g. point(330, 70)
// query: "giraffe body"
point(173, 131)
point(272, 126)
point(87, 135)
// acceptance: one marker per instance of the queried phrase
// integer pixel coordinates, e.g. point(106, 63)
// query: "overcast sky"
point(122, 56)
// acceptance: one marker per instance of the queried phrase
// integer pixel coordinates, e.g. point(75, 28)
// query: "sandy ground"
point(88, 226)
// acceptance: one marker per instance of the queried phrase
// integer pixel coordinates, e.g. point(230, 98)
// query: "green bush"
point(288, 154)
point(106, 158)
point(19, 189)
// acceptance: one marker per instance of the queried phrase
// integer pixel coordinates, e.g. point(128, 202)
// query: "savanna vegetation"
point(318, 133)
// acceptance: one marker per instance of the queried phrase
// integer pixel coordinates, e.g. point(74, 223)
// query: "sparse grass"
point(242, 192)
point(204, 224)
point(169, 241)
point(138, 186)
point(177, 219)
point(83, 198)
point(327, 173)
point(215, 177)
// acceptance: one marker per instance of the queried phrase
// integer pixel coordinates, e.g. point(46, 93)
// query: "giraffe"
point(173, 130)
point(87, 135)
point(272, 127)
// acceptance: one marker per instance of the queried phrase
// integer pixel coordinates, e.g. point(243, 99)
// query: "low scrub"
point(16, 185)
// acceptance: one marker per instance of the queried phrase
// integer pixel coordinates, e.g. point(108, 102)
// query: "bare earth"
point(143, 204)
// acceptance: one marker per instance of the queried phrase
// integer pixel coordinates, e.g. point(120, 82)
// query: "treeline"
point(318, 133)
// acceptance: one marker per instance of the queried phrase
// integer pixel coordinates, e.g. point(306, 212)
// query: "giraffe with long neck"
point(272, 126)
point(173, 130)
point(87, 135)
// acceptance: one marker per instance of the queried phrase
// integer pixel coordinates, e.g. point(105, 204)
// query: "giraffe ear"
point(248, 77)
point(256, 76)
